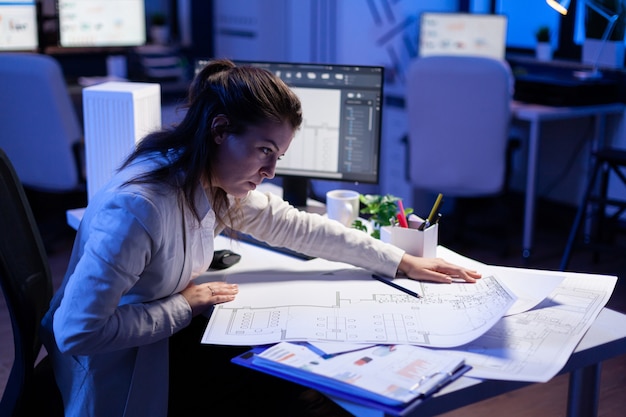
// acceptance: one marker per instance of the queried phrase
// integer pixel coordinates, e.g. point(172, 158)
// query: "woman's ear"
point(218, 127)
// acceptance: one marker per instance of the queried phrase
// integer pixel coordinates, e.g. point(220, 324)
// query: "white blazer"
point(136, 248)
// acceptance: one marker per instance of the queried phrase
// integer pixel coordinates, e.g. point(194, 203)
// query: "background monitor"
point(340, 137)
point(462, 34)
point(101, 23)
point(18, 26)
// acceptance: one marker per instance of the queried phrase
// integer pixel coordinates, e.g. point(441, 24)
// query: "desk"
point(535, 114)
point(605, 339)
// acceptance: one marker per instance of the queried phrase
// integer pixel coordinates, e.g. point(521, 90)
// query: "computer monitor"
point(18, 26)
point(101, 23)
point(340, 137)
point(470, 34)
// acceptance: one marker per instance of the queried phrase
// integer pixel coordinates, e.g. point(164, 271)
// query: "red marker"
point(402, 216)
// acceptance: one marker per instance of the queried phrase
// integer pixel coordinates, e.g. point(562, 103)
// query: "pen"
point(433, 212)
point(396, 286)
point(402, 215)
point(435, 208)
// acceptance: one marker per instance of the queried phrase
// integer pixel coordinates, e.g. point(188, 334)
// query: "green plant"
point(543, 34)
point(380, 211)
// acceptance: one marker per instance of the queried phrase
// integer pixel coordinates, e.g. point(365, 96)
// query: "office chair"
point(41, 132)
point(42, 135)
point(458, 110)
point(26, 283)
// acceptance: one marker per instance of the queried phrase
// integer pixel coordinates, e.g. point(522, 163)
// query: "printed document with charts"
point(387, 374)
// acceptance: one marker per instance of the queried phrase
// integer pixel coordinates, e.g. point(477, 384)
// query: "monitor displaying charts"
point(18, 25)
point(101, 23)
point(462, 34)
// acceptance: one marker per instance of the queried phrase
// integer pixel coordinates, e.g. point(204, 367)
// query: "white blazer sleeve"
point(272, 220)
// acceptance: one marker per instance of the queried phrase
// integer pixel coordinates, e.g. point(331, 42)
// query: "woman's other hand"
point(202, 296)
point(435, 270)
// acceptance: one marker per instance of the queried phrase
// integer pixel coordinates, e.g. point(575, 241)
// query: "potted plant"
point(543, 49)
point(380, 210)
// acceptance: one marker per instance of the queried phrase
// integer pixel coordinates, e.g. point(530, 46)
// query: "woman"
point(149, 232)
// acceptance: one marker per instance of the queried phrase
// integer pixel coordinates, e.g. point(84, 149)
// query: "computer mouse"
point(224, 258)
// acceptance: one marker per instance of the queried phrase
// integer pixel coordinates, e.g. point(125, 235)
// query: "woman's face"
point(243, 161)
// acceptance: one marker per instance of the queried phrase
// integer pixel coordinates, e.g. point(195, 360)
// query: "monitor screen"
point(462, 34)
point(18, 26)
point(101, 23)
point(340, 137)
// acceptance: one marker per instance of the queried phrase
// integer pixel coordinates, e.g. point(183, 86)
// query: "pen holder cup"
point(415, 242)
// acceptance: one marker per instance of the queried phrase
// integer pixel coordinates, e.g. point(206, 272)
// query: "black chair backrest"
point(26, 283)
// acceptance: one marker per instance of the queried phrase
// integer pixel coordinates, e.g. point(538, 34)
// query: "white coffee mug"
point(343, 206)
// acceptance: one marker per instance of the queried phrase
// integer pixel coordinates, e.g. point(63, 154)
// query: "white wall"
point(252, 30)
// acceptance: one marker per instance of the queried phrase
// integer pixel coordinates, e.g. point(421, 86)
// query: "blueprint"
point(350, 306)
point(332, 304)
point(535, 344)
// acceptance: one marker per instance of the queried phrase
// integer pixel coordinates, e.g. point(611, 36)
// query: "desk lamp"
point(562, 6)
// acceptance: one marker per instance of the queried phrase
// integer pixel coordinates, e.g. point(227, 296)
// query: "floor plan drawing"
point(331, 304)
point(350, 306)
point(539, 342)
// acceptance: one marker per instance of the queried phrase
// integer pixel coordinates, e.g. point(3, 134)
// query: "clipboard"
point(335, 387)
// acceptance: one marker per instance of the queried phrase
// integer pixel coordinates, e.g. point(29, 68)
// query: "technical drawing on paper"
point(539, 342)
point(358, 310)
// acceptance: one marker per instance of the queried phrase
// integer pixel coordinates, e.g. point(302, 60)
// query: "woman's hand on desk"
point(202, 296)
point(434, 269)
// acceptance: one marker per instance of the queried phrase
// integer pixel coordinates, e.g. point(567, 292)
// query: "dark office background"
point(525, 16)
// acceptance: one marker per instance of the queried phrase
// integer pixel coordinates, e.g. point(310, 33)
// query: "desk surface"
point(540, 112)
point(605, 339)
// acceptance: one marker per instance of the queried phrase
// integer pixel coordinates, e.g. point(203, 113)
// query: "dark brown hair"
point(246, 95)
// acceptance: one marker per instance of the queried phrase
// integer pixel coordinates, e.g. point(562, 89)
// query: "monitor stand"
point(296, 191)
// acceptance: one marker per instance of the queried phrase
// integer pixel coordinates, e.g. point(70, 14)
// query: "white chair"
point(41, 132)
point(459, 110)
point(459, 113)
